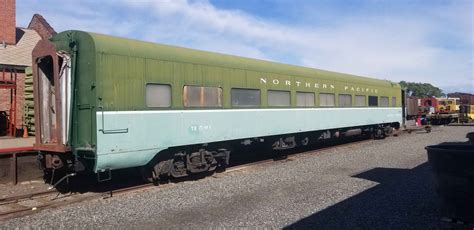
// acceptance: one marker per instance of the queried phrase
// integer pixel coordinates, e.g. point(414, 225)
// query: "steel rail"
point(76, 198)
point(29, 196)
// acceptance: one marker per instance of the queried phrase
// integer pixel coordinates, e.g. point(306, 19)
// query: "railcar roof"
point(130, 47)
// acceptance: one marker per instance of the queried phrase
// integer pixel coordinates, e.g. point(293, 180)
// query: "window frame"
point(355, 100)
point(220, 97)
point(305, 106)
point(246, 106)
point(339, 100)
point(162, 84)
point(278, 106)
point(383, 98)
point(334, 96)
point(368, 101)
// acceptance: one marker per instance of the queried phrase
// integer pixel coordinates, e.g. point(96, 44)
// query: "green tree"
point(421, 89)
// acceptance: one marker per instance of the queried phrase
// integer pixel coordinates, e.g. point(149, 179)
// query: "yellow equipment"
point(448, 105)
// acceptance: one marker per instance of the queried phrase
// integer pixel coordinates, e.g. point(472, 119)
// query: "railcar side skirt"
point(152, 131)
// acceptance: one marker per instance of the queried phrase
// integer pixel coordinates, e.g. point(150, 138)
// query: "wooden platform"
point(10, 142)
point(18, 160)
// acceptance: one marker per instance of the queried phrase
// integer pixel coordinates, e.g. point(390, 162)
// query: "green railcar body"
point(110, 75)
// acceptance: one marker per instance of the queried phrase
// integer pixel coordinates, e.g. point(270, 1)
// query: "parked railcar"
point(435, 111)
point(467, 111)
point(428, 105)
point(464, 98)
point(105, 103)
point(412, 107)
point(470, 112)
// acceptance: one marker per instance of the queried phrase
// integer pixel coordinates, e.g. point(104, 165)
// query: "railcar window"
point(278, 98)
point(327, 99)
point(384, 101)
point(245, 97)
point(360, 100)
point(304, 99)
point(198, 96)
point(373, 101)
point(394, 101)
point(158, 95)
point(345, 100)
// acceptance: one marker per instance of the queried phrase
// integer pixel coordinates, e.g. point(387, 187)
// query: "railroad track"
point(23, 205)
point(461, 124)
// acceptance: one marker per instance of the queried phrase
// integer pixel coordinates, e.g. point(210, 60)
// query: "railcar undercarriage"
point(177, 162)
point(183, 163)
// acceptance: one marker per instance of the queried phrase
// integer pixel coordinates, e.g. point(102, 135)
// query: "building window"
point(327, 99)
point(158, 95)
point(345, 100)
point(360, 100)
point(278, 98)
point(394, 101)
point(373, 101)
point(304, 99)
point(384, 101)
point(198, 96)
point(245, 97)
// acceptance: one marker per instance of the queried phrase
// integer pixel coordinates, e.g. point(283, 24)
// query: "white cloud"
point(388, 46)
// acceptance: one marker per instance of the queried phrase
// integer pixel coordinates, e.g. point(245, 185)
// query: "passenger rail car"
point(107, 103)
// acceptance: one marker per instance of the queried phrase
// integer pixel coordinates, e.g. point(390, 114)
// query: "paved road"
point(377, 184)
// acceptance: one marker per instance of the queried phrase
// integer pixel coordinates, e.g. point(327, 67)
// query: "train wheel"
point(147, 174)
point(182, 164)
point(305, 141)
point(379, 133)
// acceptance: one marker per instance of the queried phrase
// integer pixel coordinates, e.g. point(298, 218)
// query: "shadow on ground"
point(403, 199)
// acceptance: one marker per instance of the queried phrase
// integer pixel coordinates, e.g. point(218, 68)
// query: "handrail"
point(109, 131)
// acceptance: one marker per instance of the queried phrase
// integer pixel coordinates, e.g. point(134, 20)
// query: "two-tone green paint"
point(110, 74)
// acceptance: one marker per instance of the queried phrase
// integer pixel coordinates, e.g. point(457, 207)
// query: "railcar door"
point(52, 94)
point(47, 100)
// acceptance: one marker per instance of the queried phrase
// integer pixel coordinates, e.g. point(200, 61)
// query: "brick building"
point(16, 45)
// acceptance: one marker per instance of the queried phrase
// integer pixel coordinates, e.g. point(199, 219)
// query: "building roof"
point(41, 26)
point(20, 54)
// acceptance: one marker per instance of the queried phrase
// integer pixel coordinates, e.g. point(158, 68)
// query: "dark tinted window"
point(373, 101)
point(245, 97)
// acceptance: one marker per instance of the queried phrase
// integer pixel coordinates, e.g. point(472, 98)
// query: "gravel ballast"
point(375, 184)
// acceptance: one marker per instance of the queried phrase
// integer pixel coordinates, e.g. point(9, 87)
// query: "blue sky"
point(412, 40)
